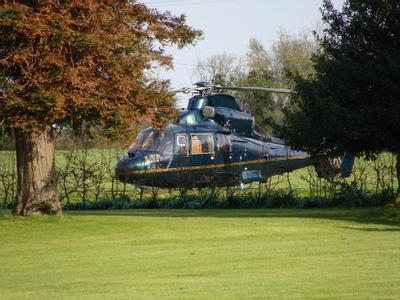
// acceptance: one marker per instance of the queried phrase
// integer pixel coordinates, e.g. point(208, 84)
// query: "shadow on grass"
point(372, 216)
point(5, 213)
point(378, 216)
point(372, 229)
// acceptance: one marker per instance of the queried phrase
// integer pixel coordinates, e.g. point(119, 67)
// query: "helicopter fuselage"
point(200, 156)
point(215, 143)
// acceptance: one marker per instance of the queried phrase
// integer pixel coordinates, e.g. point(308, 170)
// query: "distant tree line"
point(289, 55)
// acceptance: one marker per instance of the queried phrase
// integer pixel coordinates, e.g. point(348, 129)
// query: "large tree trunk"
point(397, 198)
point(36, 174)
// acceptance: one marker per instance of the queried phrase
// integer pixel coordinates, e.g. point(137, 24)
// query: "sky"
point(228, 25)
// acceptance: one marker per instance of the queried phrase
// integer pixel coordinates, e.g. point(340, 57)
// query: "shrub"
point(103, 204)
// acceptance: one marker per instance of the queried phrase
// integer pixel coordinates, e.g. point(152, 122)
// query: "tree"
point(68, 62)
point(263, 106)
point(222, 69)
point(292, 56)
point(351, 103)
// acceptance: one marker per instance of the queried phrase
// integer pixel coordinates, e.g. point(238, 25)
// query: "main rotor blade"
point(184, 90)
point(244, 88)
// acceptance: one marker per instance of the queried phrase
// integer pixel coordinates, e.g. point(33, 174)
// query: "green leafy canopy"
point(352, 102)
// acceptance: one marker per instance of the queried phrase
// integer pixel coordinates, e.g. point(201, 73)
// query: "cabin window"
point(202, 143)
point(224, 101)
point(181, 144)
point(224, 142)
point(197, 103)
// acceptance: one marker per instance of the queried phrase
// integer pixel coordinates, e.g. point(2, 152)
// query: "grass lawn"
point(201, 254)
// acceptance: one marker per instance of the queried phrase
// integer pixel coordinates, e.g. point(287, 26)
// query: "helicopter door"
point(202, 149)
point(202, 158)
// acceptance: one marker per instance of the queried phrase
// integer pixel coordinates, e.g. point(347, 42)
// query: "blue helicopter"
point(214, 143)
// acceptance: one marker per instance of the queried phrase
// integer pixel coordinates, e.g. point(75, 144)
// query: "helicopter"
point(214, 143)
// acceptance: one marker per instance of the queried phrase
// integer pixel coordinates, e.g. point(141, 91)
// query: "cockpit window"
point(141, 138)
point(155, 141)
point(202, 143)
point(224, 142)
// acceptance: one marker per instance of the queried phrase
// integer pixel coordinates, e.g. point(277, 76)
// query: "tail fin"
point(346, 168)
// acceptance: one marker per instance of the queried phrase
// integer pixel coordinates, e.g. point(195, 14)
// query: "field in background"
point(88, 175)
point(202, 254)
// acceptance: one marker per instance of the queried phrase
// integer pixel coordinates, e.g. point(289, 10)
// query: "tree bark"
point(36, 173)
point(396, 201)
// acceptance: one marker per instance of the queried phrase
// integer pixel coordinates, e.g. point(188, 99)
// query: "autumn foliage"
point(68, 61)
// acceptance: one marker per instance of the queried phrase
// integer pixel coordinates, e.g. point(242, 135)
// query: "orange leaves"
point(85, 60)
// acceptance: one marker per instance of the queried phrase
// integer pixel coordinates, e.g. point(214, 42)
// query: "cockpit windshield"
point(155, 141)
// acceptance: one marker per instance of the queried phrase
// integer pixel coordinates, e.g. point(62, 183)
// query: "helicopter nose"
point(121, 168)
point(122, 164)
point(126, 166)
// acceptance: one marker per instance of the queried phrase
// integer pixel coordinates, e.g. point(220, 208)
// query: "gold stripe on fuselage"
point(204, 167)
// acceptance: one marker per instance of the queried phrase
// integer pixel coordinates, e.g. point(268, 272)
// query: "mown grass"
point(202, 254)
